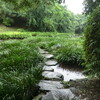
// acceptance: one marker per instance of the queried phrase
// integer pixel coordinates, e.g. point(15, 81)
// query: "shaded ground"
point(6, 29)
point(88, 88)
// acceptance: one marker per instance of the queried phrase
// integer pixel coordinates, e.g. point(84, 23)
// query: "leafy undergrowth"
point(20, 69)
point(66, 47)
point(20, 61)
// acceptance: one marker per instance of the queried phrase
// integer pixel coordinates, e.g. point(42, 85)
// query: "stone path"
point(52, 80)
point(51, 86)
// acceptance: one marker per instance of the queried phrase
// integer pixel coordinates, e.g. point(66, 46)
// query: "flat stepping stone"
point(48, 56)
point(50, 85)
point(52, 76)
point(42, 51)
point(51, 62)
point(61, 94)
point(48, 68)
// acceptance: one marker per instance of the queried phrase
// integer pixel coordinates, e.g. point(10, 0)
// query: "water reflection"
point(69, 72)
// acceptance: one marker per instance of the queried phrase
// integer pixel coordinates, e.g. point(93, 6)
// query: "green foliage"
point(90, 5)
point(50, 18)
point(38, 15)
point(71, 52)
point(21, 63)
point(8, 21)
point(92, 43)
point(80, 21)
point(14, 35)
point(20, 69)
point(66, 47)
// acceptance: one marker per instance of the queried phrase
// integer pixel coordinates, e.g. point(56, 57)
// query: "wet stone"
point(48, 68)
point(46, 85)
point(52, 76)
point(51, 62)
point(48, 56)
point(61, 94)
point(42, 51)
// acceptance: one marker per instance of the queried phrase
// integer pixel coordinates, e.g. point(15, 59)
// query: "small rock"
point(48, 68)
point(50, 85)
point(52, 75)
point(48, 56)
point(51, 62)
point(42, 51)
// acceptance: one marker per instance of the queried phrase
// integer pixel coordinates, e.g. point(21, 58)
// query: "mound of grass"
point(14, 35)
point(20, 69)
point(67, 48)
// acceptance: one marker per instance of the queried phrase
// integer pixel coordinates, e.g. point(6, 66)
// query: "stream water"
point(69, 73)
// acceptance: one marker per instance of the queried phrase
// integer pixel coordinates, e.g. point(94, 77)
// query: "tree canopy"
point(37, 15)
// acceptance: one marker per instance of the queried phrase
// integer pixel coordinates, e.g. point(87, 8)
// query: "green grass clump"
point(70, 51)
point(66, 47)
point(19, 69)
point(14, 35)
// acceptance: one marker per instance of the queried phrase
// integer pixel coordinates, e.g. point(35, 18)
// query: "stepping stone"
point(50, 85)
point(52, 76)
point(48, 56)
point(42, 51)
point(48, 68)
point(51, 62)
point(61, 94)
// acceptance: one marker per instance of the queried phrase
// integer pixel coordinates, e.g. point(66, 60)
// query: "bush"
point(92, 43)
point(8, 21)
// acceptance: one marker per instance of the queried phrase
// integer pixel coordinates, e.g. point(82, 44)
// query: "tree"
point(92, 38)
point(37, 15)
point(80, 21)
point(90, 5)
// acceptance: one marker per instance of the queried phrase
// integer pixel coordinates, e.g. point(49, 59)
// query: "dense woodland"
point(46, 16)
point(72, 38)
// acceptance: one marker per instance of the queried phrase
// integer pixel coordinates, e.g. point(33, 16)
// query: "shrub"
point(92, 43)
point(8, 21)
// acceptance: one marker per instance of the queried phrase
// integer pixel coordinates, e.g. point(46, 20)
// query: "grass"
point(14, 35)
point(21, 63)
point(6, 29)
point(67, 48)
point(19, 69)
